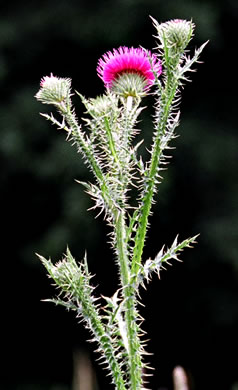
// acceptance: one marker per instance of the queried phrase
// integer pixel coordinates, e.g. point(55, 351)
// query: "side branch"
point(163, 257)
point(74, 280)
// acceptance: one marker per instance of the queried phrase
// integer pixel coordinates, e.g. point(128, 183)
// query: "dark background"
point(191, 313)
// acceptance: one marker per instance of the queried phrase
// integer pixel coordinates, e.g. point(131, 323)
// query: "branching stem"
point(109, 153)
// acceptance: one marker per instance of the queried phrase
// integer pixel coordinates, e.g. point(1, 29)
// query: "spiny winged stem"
point(130, 283)
point(151, 180)
point(128, 289)
point(173, 38)
point(135, 369)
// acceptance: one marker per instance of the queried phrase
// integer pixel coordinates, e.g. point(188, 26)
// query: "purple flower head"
point(126, 60)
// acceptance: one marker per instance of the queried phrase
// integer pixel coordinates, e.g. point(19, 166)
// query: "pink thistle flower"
point(126, 60)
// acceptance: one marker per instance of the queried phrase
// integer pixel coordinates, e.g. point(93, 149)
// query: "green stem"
point(84, 145)
point(88, 153)
point(135, 369)
point(106, 346)
point(120, 230)
point(134, 342)
point(111, 143)
point(151, 183)
point(74, 282)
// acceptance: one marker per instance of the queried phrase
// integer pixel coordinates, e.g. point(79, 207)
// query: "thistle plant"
point(107, 140)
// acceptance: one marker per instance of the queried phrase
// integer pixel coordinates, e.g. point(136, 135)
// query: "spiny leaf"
point(163, 257)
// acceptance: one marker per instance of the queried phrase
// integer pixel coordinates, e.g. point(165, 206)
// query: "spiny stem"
point(74, 282)
point(83, 144)
point(109, 153)
point(133, 340)
point(111, 143)
point(87, 151)
point(121, 242)
point(135, 369)
point(151, 182)
point(121, 233)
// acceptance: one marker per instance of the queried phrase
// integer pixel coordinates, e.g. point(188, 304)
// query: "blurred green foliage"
point(191, 314)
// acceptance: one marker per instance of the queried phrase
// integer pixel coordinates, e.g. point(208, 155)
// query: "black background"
point(191, 313)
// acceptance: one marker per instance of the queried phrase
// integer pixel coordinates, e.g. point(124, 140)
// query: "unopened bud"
point(53, 90)
point(102, 104)
point(175, 34)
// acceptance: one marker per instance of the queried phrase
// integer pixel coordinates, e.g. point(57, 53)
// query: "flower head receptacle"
point(54, 90)
point(129, 71)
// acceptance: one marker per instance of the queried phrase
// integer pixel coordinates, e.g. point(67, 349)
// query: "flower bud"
point(101, 105)
point(175, 34)
point(54, 90)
